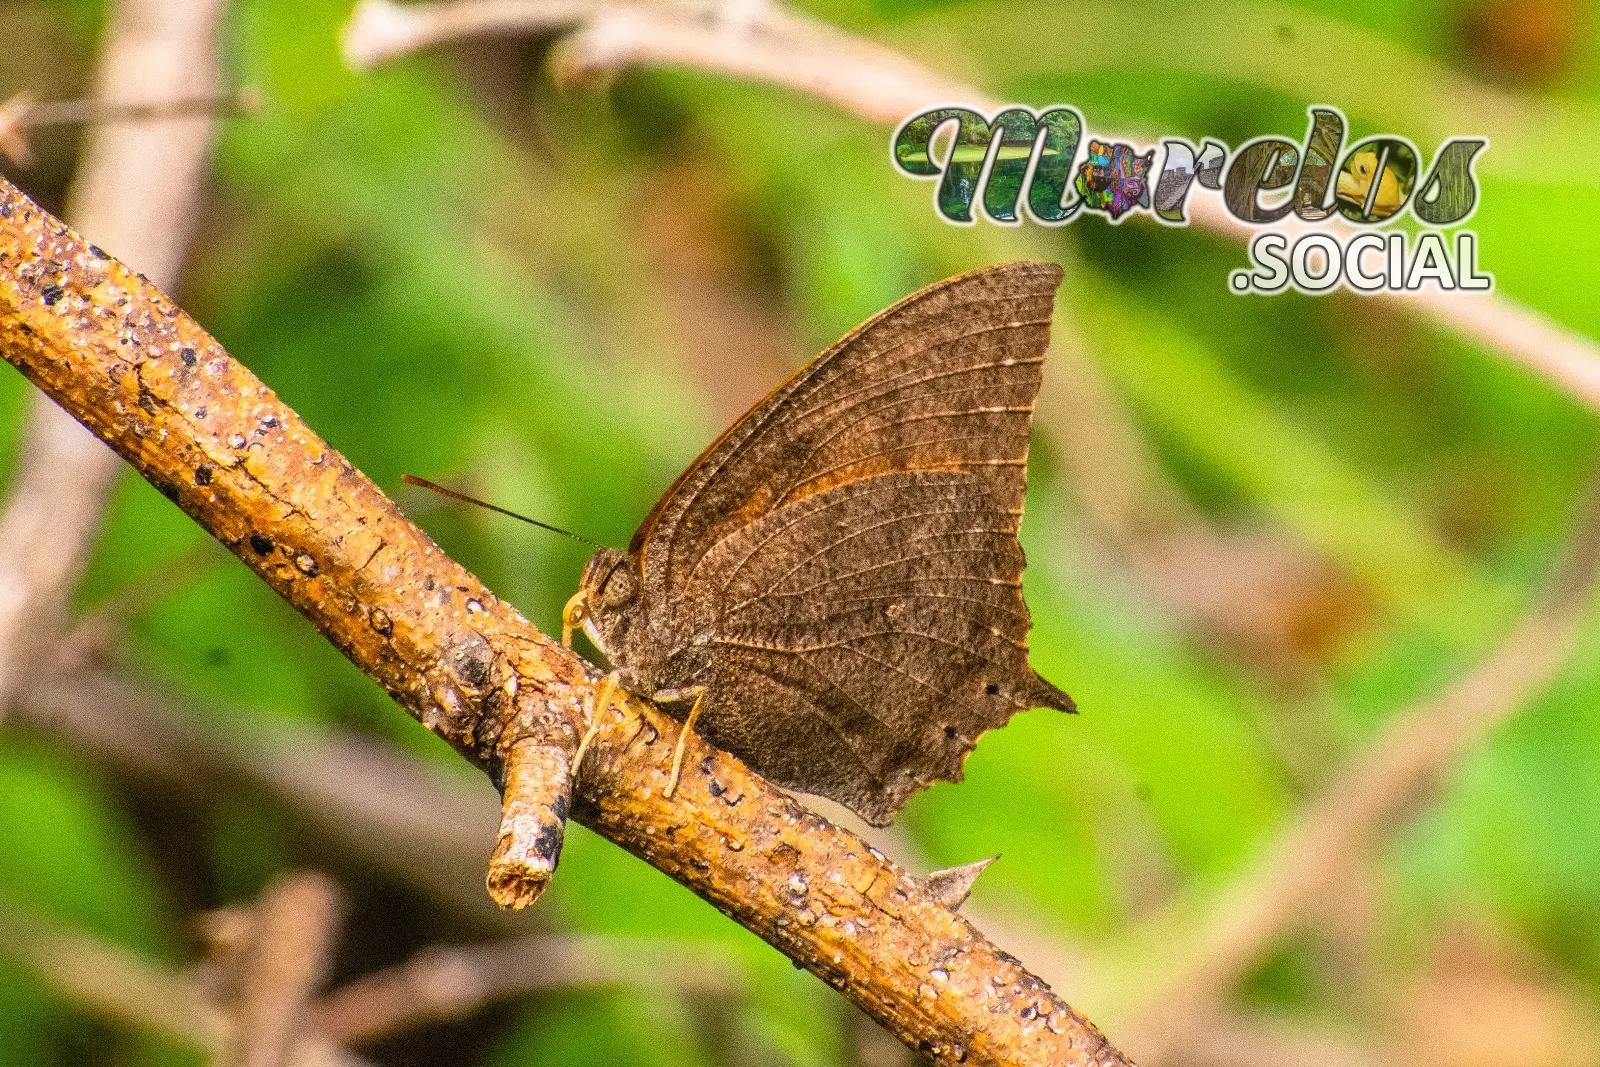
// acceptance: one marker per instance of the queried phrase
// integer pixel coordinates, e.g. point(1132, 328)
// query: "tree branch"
point(136, 191)
point(291, 937)
point(456, 982)
point(144, 377)
point(114, 984)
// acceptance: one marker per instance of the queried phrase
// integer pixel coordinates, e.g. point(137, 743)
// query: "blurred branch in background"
point(411, 820)
point(22, 115)
point(456, 982)
point(116, 985)
point(759, 41)
point(110, 981)
point(291, 935)
point(137, 191)
point(1337, 829)
point(764, 42)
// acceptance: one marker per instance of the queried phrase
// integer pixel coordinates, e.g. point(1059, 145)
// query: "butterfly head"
point(607, 605)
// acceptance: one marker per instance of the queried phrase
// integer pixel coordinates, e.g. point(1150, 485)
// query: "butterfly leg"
point(572, 616)
point(602, 704)
point(699, 692)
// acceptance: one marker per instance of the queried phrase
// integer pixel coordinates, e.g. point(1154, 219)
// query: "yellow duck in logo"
point(1355, 183)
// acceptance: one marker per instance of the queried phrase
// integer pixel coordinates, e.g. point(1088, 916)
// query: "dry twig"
point(136, 190)
point(291, 937)
point(114, 984)
point(21, 115)
point(455, 983)
point(116, 353)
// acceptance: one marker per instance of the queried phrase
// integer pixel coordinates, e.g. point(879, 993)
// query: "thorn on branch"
point(951, 886)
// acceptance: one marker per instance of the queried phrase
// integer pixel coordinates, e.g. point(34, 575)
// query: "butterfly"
point(833, 590)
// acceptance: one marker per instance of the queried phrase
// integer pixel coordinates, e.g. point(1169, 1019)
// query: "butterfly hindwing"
point(890, 610)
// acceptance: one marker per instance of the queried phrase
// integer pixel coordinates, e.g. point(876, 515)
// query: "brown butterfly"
point(835, 584)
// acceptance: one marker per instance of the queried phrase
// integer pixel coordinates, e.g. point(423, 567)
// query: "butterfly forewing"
point(961, 347)
point(841, 569)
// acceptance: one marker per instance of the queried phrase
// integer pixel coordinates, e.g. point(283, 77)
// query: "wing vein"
point(892, 520)
point(894, 668)
point(914, 398)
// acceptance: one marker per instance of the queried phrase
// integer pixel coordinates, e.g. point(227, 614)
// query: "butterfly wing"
point(841, 568)
point(915, 387)
point(881, 622)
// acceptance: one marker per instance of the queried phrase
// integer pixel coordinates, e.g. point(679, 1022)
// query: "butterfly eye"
point(619, 588)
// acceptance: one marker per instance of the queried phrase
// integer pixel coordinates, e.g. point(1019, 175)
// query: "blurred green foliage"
point(446, 266)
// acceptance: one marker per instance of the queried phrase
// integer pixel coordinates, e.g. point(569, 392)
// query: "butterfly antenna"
point(412, 479)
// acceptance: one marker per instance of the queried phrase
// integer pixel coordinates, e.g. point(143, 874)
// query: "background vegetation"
point(452, 268)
